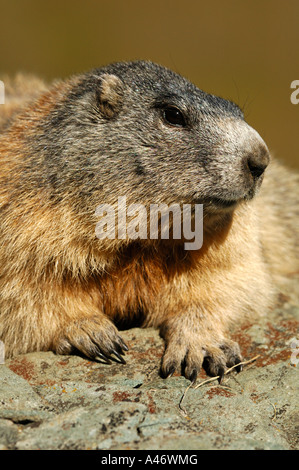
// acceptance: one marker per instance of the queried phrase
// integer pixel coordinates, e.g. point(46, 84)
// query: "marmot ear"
point(110, 95)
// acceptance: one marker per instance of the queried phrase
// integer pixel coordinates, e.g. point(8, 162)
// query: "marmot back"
point(140, 133)
point(18, 91)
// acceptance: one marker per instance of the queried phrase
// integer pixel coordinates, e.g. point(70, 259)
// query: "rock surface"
point(67, 402)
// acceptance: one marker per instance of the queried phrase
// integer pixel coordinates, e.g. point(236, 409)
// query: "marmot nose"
point(257, 159)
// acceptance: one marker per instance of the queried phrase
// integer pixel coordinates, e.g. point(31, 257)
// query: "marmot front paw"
point(191, 356)
point(95, 338)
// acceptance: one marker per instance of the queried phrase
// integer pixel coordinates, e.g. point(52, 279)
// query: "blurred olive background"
point(247, 51)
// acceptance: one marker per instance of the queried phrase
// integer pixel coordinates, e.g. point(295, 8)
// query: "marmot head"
point(139, 130)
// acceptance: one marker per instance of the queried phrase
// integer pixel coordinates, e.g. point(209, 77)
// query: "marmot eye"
point(174, 116)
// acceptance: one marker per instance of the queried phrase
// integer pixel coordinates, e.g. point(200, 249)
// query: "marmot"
point(139, 130)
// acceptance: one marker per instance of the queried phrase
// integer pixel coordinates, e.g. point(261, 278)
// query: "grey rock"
point(67, 402)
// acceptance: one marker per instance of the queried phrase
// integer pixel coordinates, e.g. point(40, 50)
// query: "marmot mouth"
point(221, 203)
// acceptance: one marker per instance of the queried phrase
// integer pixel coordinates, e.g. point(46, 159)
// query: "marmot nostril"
point(258, 162)
point(256, 167)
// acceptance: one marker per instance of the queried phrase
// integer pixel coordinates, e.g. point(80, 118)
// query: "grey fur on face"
point(112, 128)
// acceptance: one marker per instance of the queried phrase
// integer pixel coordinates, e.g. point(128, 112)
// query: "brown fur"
point(62, 289)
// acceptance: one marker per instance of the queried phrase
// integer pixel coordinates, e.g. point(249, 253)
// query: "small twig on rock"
point(183, 409)
point(274, 416)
